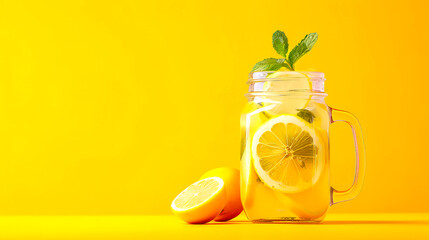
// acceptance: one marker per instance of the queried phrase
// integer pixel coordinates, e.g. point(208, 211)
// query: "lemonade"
point(285, 140)
point(285, 150)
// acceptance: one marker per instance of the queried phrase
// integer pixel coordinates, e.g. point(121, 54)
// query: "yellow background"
point(113, 107)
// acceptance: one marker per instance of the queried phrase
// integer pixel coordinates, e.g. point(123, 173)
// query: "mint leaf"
point(269, 64)
point(306, 115)
point(302, 48)
point(280, 43)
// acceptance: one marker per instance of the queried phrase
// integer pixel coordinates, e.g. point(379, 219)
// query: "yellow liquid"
point(264, 203)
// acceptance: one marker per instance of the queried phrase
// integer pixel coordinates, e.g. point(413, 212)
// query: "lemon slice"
point(201, 202)
point(253, 117)
point(293, 82)
point(288, 154)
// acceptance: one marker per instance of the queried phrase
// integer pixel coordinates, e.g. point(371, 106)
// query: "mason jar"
point(285, 173)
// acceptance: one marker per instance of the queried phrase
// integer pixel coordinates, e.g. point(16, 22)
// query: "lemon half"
point(201, 202)
point(231, 178)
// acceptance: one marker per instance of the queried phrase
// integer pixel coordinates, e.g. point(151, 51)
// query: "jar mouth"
point(287, 83)
point(286, 75)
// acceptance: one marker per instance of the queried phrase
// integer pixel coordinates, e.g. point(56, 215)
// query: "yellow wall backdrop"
point(114, 107)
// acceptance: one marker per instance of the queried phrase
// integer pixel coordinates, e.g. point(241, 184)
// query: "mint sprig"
point(281, 45)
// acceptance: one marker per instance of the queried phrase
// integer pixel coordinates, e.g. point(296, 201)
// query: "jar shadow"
point(345, 222)
point(372, 222)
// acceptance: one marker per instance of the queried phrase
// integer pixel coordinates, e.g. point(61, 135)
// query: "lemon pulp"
point(288, 154)
point(197, 193)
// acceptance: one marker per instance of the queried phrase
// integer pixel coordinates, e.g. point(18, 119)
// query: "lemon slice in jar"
point(294, 82)
point(253, 118)
point(288, 154)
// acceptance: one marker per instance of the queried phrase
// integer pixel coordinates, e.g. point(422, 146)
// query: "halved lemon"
point(231, 178)
point(288, 154)
point(286, 81)
point(201, 202)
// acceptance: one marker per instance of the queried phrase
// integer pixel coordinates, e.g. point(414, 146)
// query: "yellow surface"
point(114, 107)
point(350, 226)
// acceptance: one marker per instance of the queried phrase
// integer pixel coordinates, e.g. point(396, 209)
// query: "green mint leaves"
point(281, 45)
point(306, 115)
point(269, 64)
point(302, 48)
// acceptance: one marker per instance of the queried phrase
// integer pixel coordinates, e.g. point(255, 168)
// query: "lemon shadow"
point(233, 222)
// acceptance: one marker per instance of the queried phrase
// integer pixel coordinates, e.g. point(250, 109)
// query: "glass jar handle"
point(338, 196)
